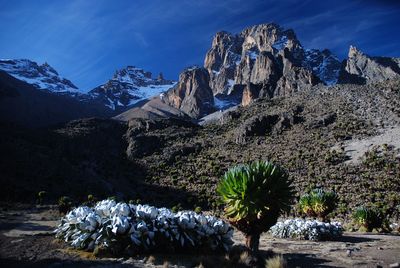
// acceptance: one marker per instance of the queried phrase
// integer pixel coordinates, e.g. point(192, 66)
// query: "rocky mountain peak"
point(266, 56)
point(354, 52)
point(128, 86)
point(267, 37)
point(192, 94)
point(361, 68)
point(43, 76)
point(160, 77)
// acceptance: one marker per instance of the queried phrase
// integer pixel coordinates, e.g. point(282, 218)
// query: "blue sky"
point(87, 40)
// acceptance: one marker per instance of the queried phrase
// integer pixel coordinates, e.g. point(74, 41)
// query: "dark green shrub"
point(368, 218)
point(41, 196)
point(255, 195)
point(177, 208)
point(64, 204)
point(91, 200)
point(318, 203)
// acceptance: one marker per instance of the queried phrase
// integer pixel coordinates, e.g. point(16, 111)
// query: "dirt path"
point(353, 250)
point(27, 240)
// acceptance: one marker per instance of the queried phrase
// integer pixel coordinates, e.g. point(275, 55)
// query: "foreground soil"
point(27, 240)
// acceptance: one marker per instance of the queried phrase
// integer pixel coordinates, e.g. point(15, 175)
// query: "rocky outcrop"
point(268, 58)
point(192, 94)
point(221, 61)
point(146, 136)
point(268, 124)
point(360, 68)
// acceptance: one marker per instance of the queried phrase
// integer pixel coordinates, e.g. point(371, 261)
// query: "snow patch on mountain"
point(280, 43)
point(150, 91)
point(323, 64)
point(129, 86)
point(43, 76)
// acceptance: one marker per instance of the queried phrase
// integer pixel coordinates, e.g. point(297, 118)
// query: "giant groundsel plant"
point(254, 196)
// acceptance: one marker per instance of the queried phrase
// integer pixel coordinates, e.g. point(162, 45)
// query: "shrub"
point(307, 229)
point(318, 203)
point(276, 262)
point(335, 157)
point(368, 218)
point(116, 227)
point(41, 196)
point(254, 196)
point(64, 204)
point(91, 200)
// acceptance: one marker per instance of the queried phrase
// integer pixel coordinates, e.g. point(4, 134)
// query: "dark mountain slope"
point(25, 105)
point(83, 157)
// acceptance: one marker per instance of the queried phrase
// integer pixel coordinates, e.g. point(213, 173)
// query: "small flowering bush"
point(113, 225)
point(306, 229)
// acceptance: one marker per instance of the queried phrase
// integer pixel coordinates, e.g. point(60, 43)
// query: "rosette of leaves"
point(113, 228)
point(307, 229)
point(368, 218)
point(318, 203)
point(255, 195)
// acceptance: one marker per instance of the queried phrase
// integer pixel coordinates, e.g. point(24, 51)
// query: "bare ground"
point(355, 149)
point(27, 240)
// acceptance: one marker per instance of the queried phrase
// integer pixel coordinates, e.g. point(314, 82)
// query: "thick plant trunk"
point(253, 242)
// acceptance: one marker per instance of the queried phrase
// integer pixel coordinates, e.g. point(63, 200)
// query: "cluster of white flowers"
point(142, 227)
point(306, 229)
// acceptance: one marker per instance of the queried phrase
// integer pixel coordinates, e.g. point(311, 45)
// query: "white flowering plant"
point(306, 229)
point(142, 228)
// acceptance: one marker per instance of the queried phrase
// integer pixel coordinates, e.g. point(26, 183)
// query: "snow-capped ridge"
point(43, 76)
point(129, 86)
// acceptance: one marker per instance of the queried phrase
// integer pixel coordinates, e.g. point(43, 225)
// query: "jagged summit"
point(270, 55)
point(361, 68)
point(129, 86)
point(42, 76)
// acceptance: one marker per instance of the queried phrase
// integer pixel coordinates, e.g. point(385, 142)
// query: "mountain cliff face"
point(42, 76)
point(128, 86)
point(269, 57)
point(265, 60)
point(324, 64)
point(192, 94)
point(360, 68)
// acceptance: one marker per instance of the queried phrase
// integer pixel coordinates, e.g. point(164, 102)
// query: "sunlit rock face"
point(269, 57)
point(192, 94)
point(360, 68)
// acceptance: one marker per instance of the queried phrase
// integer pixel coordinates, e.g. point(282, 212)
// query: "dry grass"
point(276, 262)
point(151, 259)
point(166, 264)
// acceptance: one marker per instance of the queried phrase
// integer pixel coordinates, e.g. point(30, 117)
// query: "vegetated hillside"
point(171, 161)
point(25, 105)
point(82, 157)
point(304, 133)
